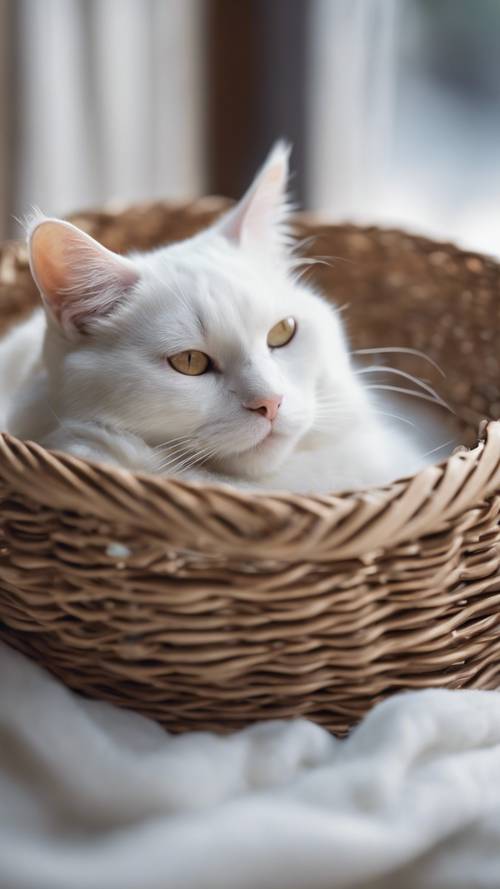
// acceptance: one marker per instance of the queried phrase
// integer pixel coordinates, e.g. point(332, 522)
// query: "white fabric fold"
point(93, 797)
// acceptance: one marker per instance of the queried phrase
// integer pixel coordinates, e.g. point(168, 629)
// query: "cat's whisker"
point(178, 453)
point(412, 392)
point(394, 417)
point(171, 465)
point(379, 368)
point(187, 464)
point(304, 266)
point(172, 441)
point(326, 413)
point(171, 451)
point(173, 461)
point(200, 459)
point(333, 399)
point(332, 412)
point(440, 447)
point(337, 404)
point(403, 350)
point(185, 461)
point(329, 406)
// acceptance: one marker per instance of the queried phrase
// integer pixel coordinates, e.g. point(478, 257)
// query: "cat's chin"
point(262, 458)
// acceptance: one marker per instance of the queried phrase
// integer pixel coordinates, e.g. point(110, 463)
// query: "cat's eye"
point(190, 362)
point(281, 333)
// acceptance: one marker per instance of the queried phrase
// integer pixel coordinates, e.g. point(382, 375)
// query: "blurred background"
point(393, 106)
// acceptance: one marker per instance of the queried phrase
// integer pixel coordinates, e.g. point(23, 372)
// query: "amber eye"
point(281, 333)
point(190, 362)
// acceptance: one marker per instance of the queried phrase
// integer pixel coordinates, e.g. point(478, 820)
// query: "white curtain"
point(109, 102)
point(6, 106)
point(351, 105)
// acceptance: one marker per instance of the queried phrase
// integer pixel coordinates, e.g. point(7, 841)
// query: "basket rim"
point(259, 525)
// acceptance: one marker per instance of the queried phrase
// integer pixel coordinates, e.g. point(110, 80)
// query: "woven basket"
point(209, 608)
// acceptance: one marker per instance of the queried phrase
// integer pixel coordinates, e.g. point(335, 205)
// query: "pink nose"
point(268, 407)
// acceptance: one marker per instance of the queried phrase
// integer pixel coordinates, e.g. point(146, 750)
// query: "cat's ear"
point(259, 218)
point(78, 278)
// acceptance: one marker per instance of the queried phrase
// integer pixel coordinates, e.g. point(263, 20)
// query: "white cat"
point(207, 359)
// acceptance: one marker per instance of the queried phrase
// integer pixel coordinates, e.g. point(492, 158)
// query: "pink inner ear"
point(77, 276)
point(258, 215)
point(50, 265)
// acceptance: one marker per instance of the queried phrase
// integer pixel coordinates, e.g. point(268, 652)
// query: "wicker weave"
point(205, 607)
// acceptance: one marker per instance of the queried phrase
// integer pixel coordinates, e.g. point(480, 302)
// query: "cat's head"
point(209, 349)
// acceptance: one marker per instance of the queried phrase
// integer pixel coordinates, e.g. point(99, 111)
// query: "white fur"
point(91, 375)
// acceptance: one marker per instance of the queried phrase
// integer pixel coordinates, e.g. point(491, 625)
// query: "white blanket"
point(92, 797)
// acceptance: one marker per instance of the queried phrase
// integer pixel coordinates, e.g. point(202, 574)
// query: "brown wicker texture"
point(209, 608)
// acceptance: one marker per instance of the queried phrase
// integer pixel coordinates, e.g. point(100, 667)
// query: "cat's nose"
point(268, 407)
